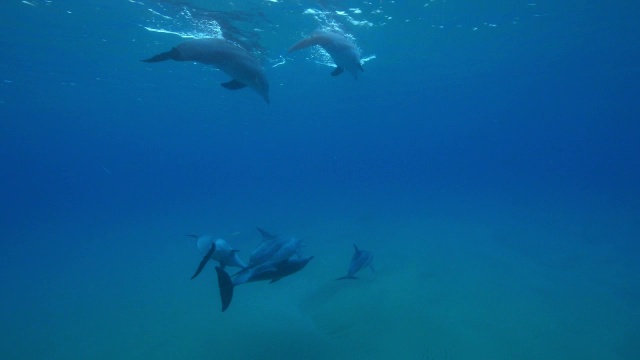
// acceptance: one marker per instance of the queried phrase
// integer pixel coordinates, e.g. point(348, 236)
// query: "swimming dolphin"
point(272, 271)
point(273, 248)
point(344, 53)
point(223, 253)
point(244, 68)
point(359, 261)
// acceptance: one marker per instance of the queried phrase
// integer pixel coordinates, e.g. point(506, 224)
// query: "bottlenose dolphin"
point(244, 68)
point(344, 53)
point(273, 248)
point(272, 271)
point(223, 253)
point(359, 260)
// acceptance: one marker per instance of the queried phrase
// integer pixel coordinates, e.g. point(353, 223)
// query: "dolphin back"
point(307, 42)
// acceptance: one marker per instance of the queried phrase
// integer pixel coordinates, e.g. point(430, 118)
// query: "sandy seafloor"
point(475, 285)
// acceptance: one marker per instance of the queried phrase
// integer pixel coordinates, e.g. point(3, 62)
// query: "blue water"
point(487, 157)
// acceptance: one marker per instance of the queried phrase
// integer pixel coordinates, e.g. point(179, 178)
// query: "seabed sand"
point(443, 289)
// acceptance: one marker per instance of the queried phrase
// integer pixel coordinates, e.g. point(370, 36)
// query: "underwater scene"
point(319, 179)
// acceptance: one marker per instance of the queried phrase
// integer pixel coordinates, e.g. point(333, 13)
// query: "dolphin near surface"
point(343, 52)
point(244, 68)
point(360, 260)
point(272, 271)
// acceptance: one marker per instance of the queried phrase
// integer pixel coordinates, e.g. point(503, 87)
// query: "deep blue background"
point(538, 114)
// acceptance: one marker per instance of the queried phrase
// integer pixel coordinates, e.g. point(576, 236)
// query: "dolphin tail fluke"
point(266, 235)
point(204, 260)
point(350, 277)
point(174, 54)
point(226, 287)
point(305, 43)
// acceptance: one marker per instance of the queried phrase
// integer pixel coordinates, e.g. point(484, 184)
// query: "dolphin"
point(238, 63)
point(344, 53)
point(272, 271)
point(359, 260)
point(273, 248)
point(223, 253)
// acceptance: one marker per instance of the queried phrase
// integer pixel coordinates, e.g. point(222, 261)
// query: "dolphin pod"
point(245, 69)
point(274, 258)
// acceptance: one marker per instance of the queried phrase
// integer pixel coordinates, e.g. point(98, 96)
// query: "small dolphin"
point(273, 248)
point(345, 54)
point(224, 254)
point(359, 261)
point(272, 271)
point(244, 68)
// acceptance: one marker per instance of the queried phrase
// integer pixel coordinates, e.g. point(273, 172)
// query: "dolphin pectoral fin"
point(360, 67)
point(274, 280)
point(337, 71)
point(226, 288)
point(233, 85)
point(174, 54)
point(204, 260)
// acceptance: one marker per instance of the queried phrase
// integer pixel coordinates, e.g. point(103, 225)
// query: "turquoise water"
point(487, 157)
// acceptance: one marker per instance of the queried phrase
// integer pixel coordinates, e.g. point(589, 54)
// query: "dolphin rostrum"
point(238, 63)
point(272, 271)
point(359, 260)
point(344, 53)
